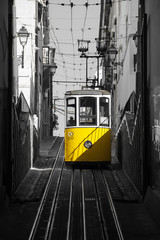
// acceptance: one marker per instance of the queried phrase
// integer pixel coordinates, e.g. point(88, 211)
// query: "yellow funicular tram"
point(88, 126)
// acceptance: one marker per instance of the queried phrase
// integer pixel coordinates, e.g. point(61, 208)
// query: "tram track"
point(77, 226)
point(53, 206)
point(76, 204)
point(83, 204)
point(116, 221)
point(37, 230)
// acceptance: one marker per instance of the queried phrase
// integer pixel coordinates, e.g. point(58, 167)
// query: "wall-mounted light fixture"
point(23, 38)
point(53, 68)
point(135, 38)
point(101, 45)
point(112, 53)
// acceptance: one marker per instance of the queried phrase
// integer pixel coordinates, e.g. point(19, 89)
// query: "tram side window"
point(104, 111)
point(71, 112)
point(87, 111)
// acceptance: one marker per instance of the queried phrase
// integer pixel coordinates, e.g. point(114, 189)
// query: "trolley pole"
point(83, 47)
point(98, 69)
point(86, 71)
point(91, 56)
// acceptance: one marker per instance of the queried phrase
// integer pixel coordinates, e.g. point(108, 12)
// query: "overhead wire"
point(58, 47)
point(85, 19)
point(70, 55)
point(59, 111)
point(61, 82)
point(71, 5)
point(76, 68)
point(76, 5)
point(71, 29)
point(76, 18)
point(65, 29)
point(70, 77)
point(69, 63)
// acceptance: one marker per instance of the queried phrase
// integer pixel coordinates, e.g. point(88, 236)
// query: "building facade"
point(149, 19)
point(25, 89)
point(132, 72)
point(5, 100)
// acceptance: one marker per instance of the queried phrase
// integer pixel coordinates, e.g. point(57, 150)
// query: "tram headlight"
point(88, 144)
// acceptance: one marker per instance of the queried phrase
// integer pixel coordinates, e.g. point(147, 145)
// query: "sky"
point(71, 20)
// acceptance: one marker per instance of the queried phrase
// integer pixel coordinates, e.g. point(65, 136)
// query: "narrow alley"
point(79, 119)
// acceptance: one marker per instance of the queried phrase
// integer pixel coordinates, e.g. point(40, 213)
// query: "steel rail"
point(105, 234)
point(50, 221)
point(83, 207)
point(54, 141)
point(70, 208)
point(113, 209)
point(43, 200)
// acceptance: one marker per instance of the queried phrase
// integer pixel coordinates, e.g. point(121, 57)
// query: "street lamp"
point(53, 68)
point(83, 46)
point(112, 53)
point(23, 38)
point(101, 45)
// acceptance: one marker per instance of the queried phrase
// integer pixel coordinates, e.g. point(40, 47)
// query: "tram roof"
point(87, 92)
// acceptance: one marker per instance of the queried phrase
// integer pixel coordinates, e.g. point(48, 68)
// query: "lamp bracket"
point(118, 63)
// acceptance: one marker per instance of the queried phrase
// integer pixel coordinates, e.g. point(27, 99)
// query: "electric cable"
point(78, 72)
point(85, 20)
point(76, 5)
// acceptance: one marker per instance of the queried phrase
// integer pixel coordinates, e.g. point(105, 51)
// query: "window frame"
point(75, 112)
point(93, 116)
point(100, 123)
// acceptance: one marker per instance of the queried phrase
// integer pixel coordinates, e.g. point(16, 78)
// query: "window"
point(87, 111)
point(104, 111)
point(71, 112)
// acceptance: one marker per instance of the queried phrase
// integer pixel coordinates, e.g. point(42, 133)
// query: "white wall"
point(126, 13)
point(25, 16)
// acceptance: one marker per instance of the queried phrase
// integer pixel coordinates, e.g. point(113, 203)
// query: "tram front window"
point(71, 112)
point(104, 111)
point(87, 111)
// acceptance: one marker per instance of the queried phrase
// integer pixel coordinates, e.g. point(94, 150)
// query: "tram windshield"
point(71, 112)
point(87, 111)
point(104, 111)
